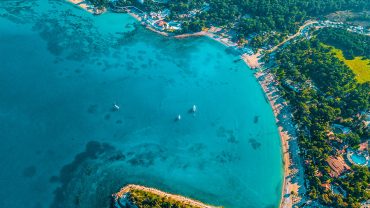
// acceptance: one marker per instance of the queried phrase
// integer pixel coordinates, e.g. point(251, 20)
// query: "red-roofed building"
point(364, 146)
point(327, 186)
point(337, 165)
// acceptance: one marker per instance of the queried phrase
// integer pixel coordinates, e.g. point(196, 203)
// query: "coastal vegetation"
point(136, 196)
point(323, 92)
point(262, 22)
point(352, 44)
point(143, 199)
point(351, 48)
point(359, 65)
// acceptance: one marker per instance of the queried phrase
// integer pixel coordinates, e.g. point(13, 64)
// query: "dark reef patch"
point(92, 151)
point(226, 157)
point(232, 139)
point(229, 134)
point(78, 170)
point(146, 155)
point(20, 12)
point(255, 144)
point(255, 120)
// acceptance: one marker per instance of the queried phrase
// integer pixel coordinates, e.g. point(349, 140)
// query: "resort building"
point(326, 186)
point(365, 204)
point(364, 146)
point(337, 165)
point(161, 25)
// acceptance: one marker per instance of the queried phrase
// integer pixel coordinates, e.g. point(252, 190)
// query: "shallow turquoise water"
point(62, 145)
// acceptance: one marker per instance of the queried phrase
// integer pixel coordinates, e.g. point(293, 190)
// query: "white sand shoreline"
point(87, 7)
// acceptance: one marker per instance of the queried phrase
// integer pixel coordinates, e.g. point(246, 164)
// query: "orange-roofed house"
point(364, 146)
point(326, 186)
point(337, 165)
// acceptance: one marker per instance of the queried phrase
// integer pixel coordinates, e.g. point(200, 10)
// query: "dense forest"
point(327, 93)
point(265, 15)
point(250, 16)
point(352, 44)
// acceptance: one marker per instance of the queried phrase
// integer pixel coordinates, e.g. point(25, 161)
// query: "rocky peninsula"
point(135, 196)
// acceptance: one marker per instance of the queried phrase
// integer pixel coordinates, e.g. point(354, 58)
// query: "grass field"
point(360, 66)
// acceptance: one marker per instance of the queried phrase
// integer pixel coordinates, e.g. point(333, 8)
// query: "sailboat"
point(194, 109)
point(115, 107)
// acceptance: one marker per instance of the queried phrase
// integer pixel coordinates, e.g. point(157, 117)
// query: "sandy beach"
point(182, 199)
point(252, 60)
point(83, 5)
point(293, 169)
point(187, 35)
point(87, 7)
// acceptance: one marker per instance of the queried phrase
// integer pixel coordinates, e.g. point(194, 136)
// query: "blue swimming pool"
point(358, 159)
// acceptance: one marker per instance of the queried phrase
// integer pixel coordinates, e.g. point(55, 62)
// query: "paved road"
point(310, 22)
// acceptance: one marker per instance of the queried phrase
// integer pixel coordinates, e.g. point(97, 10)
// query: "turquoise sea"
point(63, 145)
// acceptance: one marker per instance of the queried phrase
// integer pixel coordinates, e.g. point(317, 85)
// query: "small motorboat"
point(178, 117)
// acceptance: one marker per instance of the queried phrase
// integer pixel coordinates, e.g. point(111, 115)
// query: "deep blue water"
point(62, 145)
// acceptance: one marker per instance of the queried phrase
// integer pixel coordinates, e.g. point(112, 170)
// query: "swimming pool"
point(358, 159)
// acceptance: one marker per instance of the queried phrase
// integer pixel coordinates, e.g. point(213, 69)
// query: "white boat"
point(194, 109)
point(179, 117)
point(116, 107)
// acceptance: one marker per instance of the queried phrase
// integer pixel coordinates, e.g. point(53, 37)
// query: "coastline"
point(82, 4)
point(293, 180)
point(293, 176)
point(182, 199)
point(252, 60)
point(87, 7)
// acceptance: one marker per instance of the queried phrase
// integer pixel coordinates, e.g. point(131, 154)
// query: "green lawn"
point(360, 66)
